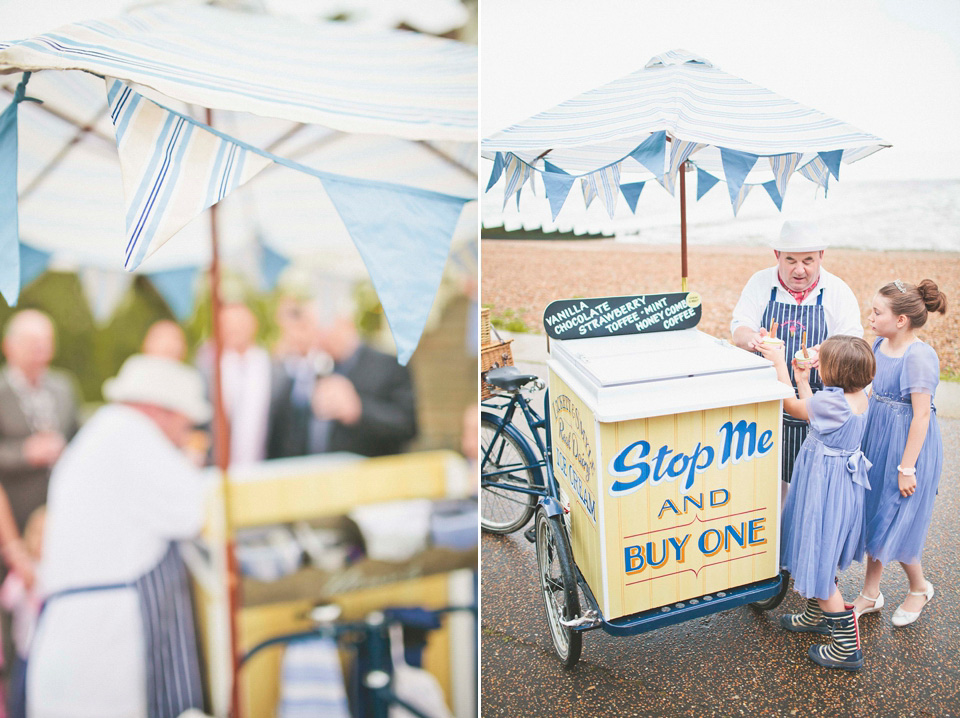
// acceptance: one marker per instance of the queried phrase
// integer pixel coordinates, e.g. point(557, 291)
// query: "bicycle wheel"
point(558, 584)
point(503, 510)
point(771, 603)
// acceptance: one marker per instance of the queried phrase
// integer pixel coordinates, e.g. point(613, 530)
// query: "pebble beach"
point(520, 277)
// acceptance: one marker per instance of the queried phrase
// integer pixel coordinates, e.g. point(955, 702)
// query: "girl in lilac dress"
point(903, 442)
point(822, 522)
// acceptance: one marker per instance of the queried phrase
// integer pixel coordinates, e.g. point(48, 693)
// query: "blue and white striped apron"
point(792, 319)
point(172, 660)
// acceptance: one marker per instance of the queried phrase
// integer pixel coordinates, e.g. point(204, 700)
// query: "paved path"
point(734, 663)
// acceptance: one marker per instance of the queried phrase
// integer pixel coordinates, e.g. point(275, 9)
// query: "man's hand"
point(335, 397)
point(756, 341)
point(43, 448)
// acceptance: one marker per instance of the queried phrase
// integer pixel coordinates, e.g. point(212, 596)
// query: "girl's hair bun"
point(933, 298)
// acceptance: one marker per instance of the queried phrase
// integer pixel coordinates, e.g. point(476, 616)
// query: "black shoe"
point(531, 534)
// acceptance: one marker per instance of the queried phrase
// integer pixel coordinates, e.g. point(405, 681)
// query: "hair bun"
point(933, 298)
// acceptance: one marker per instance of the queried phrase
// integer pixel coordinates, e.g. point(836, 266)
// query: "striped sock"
point(844, 650)
point(811, 620)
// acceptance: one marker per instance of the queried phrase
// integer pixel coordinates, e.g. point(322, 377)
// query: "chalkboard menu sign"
point(614, 316)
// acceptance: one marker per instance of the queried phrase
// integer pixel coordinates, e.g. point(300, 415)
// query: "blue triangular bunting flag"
point(832, 161)
point(652, 153)
point(497, 171)
point(33, 263)
point(705, 181)
point(272, 265)
point(178, 289)
point(774, 193)
point(9, 228)
point(550, 167)
point(736, 167)
point(403, 236)
point(557, 186)
point(631, 192)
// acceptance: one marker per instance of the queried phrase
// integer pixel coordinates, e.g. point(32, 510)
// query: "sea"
point(874, 215)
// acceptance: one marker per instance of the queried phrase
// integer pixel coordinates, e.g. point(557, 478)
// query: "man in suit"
point(38, 416)
point(365, 405)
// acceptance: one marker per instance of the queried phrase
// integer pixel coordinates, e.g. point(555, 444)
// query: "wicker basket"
point(484, 327)
point(493, 356)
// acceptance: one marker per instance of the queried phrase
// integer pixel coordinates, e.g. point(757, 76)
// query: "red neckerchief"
point(799, 296)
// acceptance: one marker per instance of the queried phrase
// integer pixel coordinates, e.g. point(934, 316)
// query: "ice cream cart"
point(665, 448)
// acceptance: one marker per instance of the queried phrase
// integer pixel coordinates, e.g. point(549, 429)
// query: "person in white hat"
point(806, 302)
point(116, 635)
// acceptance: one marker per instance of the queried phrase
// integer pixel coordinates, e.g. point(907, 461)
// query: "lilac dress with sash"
point(896, 526)
point(822, 524)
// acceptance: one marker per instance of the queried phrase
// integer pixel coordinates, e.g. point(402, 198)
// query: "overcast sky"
point(889, 67)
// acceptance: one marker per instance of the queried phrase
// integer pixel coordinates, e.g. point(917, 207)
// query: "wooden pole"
point(683, 227)
point(221, 452)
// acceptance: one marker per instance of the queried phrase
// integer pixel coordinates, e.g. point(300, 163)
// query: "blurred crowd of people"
point(126, 487)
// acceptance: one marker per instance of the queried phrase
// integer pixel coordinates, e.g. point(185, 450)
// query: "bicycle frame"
point(535, 423)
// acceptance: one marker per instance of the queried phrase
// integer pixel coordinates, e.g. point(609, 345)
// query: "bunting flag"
point(550, 167)
point(741, 195)
point(705, 181)
point(516, 172)
point(403, 235)
point(832, 161)
point(631, 193)
point(557, 186)
point(272, 265)
point(589, 193)
point(497, 170)
point(783, 167)
point(9, 222)
point(816, 171)
point(606, 184)
point(736, 167)
point(173, 169)
point(103, 290)
point(178, 287)
point(680, 151)
point(774, 193)
point(33, 263)
point(652, 153)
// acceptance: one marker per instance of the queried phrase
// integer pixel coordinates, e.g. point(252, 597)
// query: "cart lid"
point(617, 360)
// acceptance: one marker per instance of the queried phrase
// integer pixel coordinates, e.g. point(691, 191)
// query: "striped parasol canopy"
point(174, 89)
point(679, 108)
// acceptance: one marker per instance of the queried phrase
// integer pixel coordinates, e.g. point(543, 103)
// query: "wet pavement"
point(735, 663)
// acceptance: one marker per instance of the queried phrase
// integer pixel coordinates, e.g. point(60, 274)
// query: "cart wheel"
point(503, 511)
point(774, 601)
point(558, 585)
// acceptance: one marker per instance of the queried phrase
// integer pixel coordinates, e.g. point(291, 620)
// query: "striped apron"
point(793, 319)
point(172, 661)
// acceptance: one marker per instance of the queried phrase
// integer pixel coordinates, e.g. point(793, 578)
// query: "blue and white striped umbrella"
point(159, 64)
point(679, 107)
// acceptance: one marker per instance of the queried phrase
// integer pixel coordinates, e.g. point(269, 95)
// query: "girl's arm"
point(915, 438)
point(797, 408)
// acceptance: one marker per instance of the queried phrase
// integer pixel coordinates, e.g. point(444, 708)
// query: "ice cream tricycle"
point(656, 476)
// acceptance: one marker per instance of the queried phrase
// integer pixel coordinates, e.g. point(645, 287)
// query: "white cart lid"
point(640, 375)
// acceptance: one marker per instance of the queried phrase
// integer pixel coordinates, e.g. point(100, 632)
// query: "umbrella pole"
point(221, 451)
point(683, 227)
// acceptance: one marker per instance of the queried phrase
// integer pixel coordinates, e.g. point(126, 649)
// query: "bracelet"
point(907, 470)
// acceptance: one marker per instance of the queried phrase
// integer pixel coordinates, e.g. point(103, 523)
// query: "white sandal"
point(875, 608)
point(904, 618)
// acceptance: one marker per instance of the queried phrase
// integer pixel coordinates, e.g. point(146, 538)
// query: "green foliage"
point(509, 320)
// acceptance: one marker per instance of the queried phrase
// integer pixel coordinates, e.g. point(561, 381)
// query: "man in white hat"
point(806, 302)
point(116, 635)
